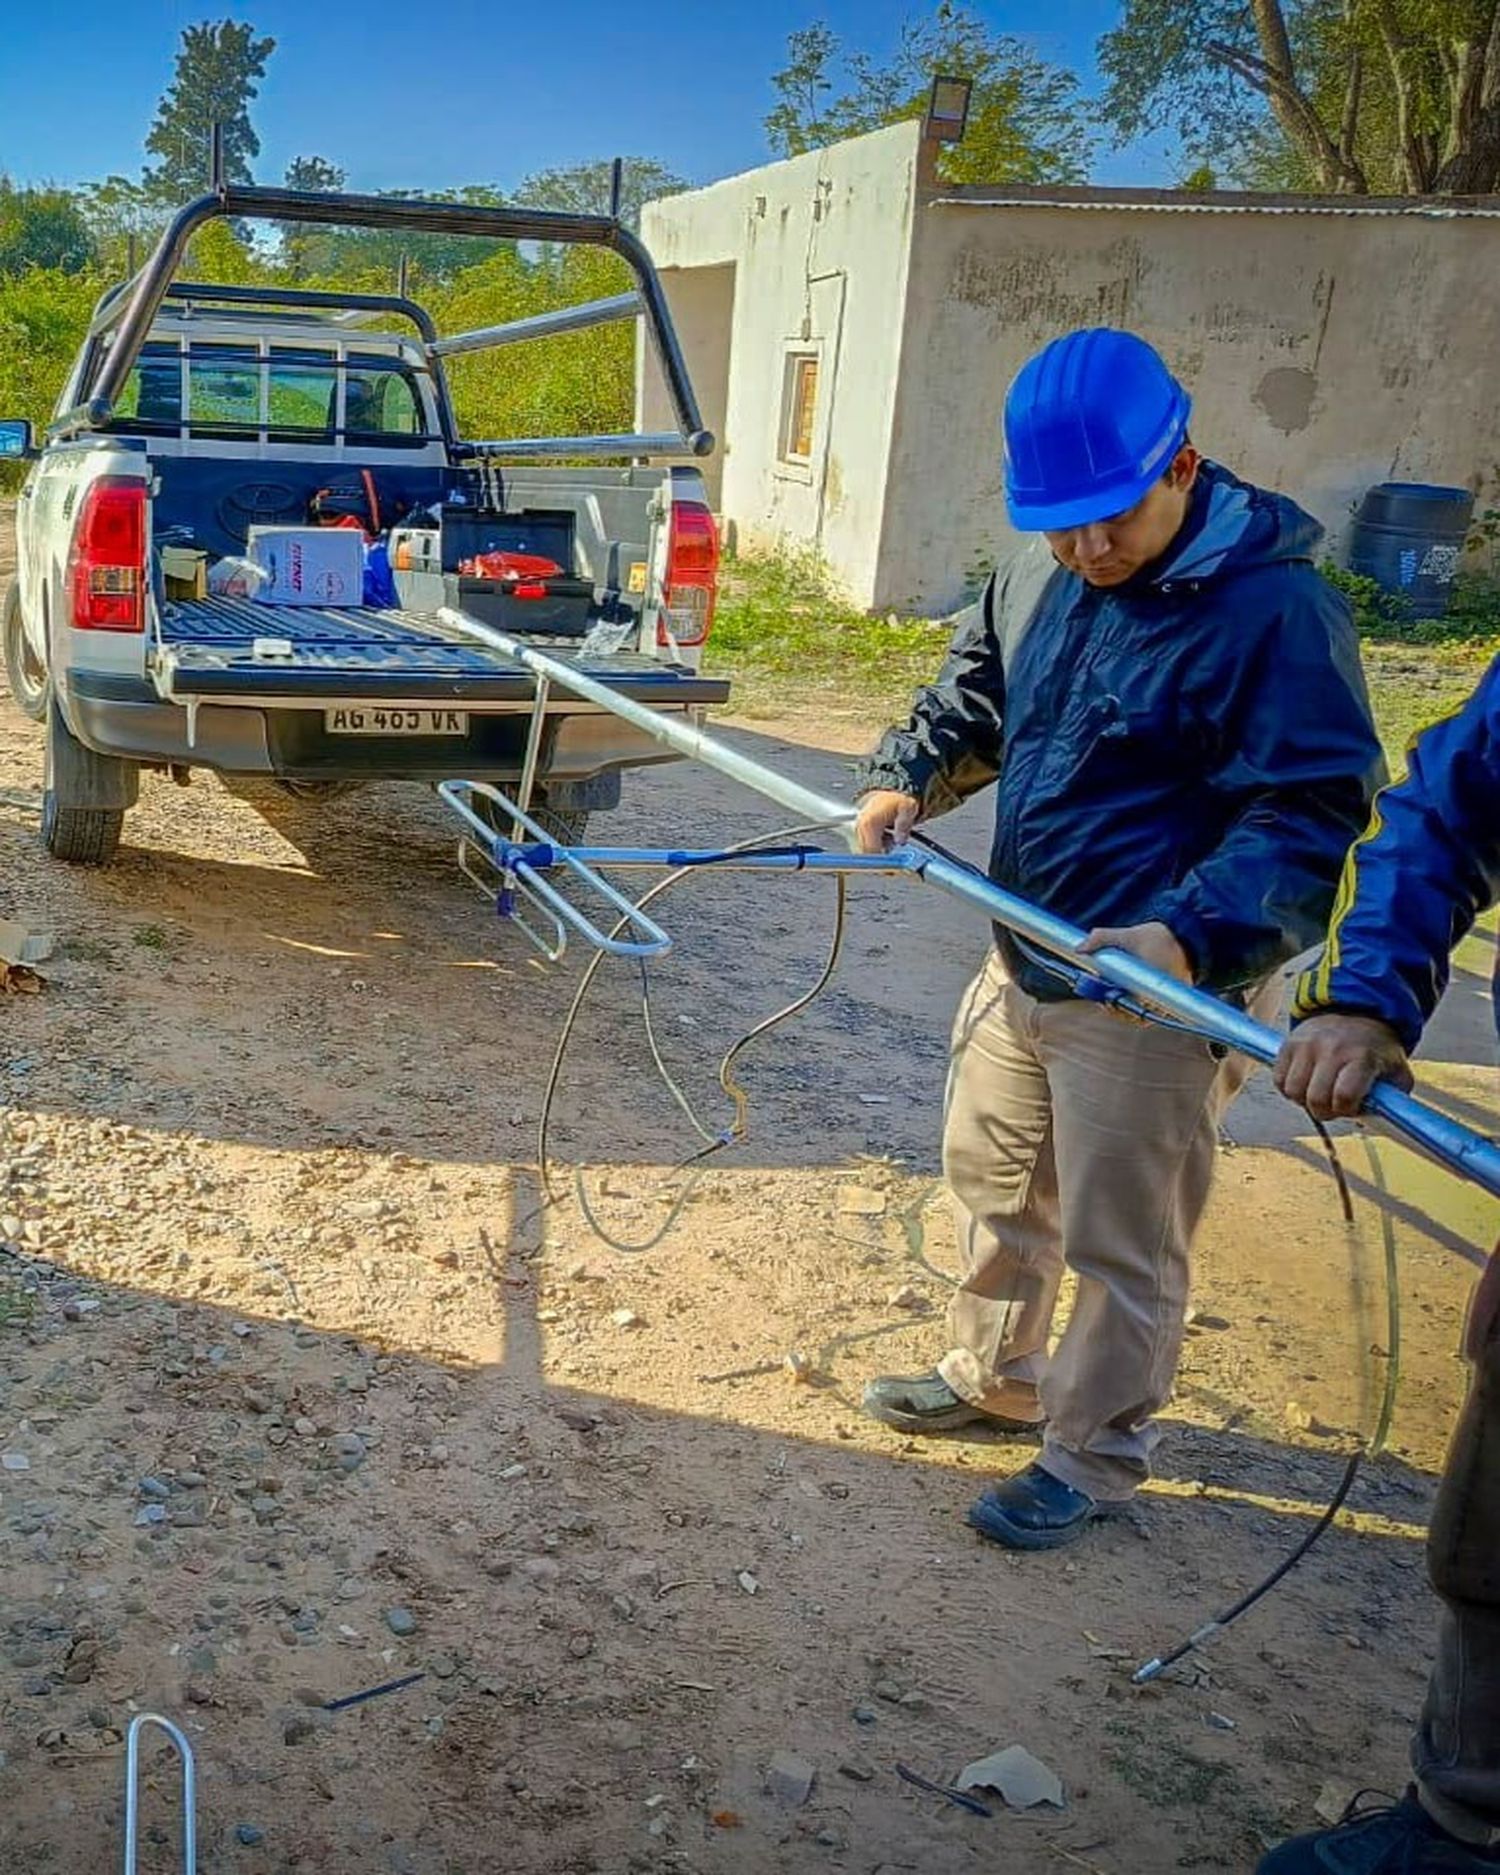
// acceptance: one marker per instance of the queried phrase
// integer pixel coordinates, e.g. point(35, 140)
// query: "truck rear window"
point(284, 394)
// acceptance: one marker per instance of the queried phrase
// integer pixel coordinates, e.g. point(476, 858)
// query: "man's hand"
point(1328, 1064)
point(885, 820)
point(1153, 943)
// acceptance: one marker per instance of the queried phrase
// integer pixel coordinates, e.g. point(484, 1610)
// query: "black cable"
point(736, 1130)
point(1153, 1669)
point(1068, 973)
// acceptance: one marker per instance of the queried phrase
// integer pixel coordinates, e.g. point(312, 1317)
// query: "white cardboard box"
point(309, 565)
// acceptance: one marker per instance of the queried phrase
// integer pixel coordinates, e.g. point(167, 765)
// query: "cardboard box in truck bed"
point(309, 565)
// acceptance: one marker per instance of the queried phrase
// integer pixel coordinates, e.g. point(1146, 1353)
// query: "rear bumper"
point(124, 716)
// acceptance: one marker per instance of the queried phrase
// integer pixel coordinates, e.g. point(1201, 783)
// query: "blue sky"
point(414, 96)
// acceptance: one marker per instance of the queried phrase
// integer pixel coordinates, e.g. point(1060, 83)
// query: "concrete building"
point(852, 325)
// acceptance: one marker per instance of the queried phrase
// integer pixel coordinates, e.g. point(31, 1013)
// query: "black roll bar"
point(129, 314)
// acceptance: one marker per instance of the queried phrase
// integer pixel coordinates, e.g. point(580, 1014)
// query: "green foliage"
point(582, 383)
point(1026, 119)
point(124, 218)
point(332, 254)
point(42, 228)
point(218, 64)
point(316, 175)
point(1347, 96)
point(585, 188)
point(44, 314)
point(781, 620)
point(1473, 617)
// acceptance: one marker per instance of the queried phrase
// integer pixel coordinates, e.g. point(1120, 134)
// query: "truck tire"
point(28, 680)
point(84, 796)
point(316, 791)
point(83, 836)
point(566, 825)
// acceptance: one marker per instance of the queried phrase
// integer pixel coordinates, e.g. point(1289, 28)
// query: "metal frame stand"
point(1107, 975)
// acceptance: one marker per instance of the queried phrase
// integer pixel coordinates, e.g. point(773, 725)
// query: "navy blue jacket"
point(1194, 746)
point(1428, 864)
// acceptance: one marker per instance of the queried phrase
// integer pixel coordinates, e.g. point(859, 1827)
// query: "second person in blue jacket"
point(1169, 697)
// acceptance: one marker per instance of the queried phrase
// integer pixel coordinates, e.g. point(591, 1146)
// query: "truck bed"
point(380, 654)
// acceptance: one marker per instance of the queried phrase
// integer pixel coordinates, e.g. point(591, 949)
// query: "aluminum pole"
point(1464, 1151)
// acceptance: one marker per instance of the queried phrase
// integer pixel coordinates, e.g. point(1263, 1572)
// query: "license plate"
point(380, 722)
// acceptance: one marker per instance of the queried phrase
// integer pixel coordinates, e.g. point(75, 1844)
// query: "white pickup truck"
point(196, 413)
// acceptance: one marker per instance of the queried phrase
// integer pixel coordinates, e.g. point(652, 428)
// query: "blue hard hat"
point(1090, 423)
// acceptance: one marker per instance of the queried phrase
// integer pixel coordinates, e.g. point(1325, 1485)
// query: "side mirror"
point(16, 443)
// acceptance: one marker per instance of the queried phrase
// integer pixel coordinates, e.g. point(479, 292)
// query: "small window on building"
point(799, 407)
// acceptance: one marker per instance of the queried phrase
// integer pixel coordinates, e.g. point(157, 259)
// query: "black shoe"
point(926, 1403)
point(1396, 1839)
point(1033, 1510)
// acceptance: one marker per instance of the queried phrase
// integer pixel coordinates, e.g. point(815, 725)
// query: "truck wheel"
point(84, 836)
point(566, 825)
point(24, 672)
point(316, 790)
point(84, 796)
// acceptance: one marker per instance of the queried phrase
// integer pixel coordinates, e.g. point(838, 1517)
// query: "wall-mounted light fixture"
point(947, 109)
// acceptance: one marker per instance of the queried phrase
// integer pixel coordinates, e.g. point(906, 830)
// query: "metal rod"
point(533, 752)
point(184, 1750)
point(645, 443)
point(594, 312)
point(1461, 1149)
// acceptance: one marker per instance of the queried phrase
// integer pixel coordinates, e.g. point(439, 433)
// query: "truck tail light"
point(692, 575)
point(107, 570)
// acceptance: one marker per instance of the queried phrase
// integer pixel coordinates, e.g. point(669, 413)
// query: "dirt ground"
point(304, 1389)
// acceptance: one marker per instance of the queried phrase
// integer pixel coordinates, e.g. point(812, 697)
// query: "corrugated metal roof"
point(1157, 205)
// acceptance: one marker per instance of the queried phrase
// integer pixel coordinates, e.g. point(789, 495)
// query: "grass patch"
point(785, 635)
point(1165, 1773)
point(1472, 618)
point(150, 937)
point(17, 1306)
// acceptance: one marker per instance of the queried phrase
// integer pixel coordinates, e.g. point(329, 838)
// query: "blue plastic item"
point(1090, 423)
point(1408, 537)
point(380, 584)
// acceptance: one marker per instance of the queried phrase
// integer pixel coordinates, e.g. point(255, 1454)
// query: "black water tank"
point(1408, 537)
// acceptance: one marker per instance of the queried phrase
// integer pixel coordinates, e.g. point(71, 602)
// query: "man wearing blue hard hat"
point(1170, 698)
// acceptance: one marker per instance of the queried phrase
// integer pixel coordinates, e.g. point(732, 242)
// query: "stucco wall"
point(702, 302)
point(820, 247)
point(1325, 352)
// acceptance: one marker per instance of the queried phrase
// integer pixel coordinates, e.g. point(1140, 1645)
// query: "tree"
point(317, 176)
point(335, 254)
point(1027, 121)
point(42, 228)
point(44, 314)
point(314, 174)
point(124, 218)
point(218, 64)
point(1346, 96)
point(585, 189)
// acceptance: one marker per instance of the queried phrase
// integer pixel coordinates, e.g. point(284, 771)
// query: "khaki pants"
point(1077, 1137)
point(1456, 1754)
